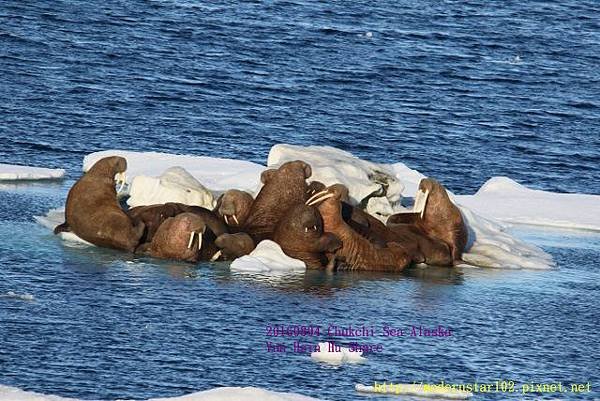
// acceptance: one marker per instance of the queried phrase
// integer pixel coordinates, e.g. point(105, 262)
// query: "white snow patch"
point(267, 257)
point(8, 393)
point(13, 172)
point(331, 166)
point(344, 355)
point(511, 202)
point(173, 185)
point(214, 173)
point(419, 390)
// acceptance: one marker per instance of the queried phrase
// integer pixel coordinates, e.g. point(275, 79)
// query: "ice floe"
point(418, 390)
point(11, 172)
point(174, 185)
point(8, 393)
point(14, 295)
point(334, 357)
point(510, 202)
point(498, 202)
point(267, 257)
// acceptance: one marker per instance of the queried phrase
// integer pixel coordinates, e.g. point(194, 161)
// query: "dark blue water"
point(438, 85)
point(459, 90)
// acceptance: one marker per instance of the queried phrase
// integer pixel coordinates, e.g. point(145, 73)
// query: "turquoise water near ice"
point(460, 90)
point(105, 325)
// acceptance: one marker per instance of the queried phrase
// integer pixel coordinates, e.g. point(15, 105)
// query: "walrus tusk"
point(216, 256)
point(121, 179)
point(191, 241)
point(316, 195)
point(420, 202)
point(236, 220)
point(226, 221)
point(321, 199)
point(200, 240)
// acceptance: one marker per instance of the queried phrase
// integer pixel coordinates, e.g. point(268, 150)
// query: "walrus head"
point(235, 206)
point(329, 203)
point(112, 167)
point(314, 187)
point(300, 235)
point(191, 227)
point(233, 246)
point(288, 168)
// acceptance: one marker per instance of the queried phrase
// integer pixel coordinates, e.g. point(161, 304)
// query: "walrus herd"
point(310, 221)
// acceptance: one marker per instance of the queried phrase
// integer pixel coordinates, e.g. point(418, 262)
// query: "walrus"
point(283, 188)
point(234, 207)
point(357, 252)
point(154, 215)
point(233, 246)
point(93, 213)
point(300, 235)
point(441, 219)
point(177, 238)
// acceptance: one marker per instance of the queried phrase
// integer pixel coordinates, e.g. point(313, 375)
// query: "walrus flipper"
point(62, 228)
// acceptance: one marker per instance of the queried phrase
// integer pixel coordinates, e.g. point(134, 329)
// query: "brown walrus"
point(233, 246)
point(234, 207)
point(300, 235)
point(178, 238)
point(357, 252)
point(283, 188)
point(154, 215)
point(441, 219)
point(93, 213)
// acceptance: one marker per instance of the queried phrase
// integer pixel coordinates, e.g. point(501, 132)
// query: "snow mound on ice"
point(173, 185)
point(267, 257)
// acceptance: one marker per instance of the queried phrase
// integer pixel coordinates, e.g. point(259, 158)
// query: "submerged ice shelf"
point(499, 201)
point(217, 394)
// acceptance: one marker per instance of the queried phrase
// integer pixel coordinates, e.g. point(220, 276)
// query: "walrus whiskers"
point(321, 199)
point(316, 195)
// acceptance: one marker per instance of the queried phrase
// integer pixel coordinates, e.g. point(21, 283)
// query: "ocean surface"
point(459, 90)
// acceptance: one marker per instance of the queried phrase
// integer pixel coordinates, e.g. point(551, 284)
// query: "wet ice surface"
point(106, 325)
point(9, 172)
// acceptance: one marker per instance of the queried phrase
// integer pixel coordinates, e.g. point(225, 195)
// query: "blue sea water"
point(460, 90)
